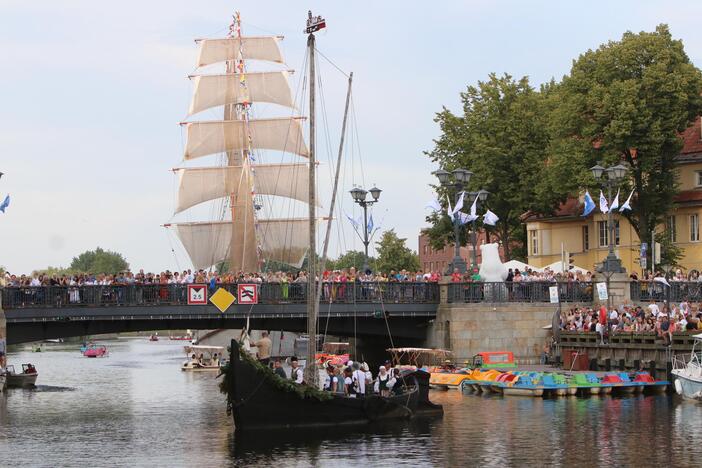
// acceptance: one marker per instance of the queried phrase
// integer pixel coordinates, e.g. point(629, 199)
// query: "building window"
point(694, 228)
point(534, 242)
point(672, 229)
point(698, 178)
point(586, 239)
point(426, 249)
point(603, 238)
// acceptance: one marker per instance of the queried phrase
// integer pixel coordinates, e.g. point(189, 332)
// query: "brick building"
point(432, 259)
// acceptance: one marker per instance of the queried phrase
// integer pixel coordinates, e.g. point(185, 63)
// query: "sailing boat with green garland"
point(258, 398)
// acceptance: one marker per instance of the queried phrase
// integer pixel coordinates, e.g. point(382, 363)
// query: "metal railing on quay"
point(642, 291)
point(532, 291)
point(176, 294)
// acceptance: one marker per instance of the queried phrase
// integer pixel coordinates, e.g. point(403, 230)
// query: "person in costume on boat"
point(359, 380)
point(348, 382)
point(381, 384)
point(296, 374)
point(278, 369)
point(369, 376)
point(264, 346)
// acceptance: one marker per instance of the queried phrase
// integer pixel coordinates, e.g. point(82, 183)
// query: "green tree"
point(352, 258)
point(629, 100)
point(503, 138)
point(393, 254)
point(99, 261)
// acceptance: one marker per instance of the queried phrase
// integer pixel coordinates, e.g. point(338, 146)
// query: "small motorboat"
point(203, 358)
point(25, 379)
point(94, 351)
point(180, 338)
point(687, 372)
point(153, 337)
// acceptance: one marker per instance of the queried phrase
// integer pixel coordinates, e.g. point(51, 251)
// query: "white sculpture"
point(492, 269)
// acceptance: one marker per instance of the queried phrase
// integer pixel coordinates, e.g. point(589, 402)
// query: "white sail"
point(284, 240)
point(218, 90)
point(283, 134)
point(207, 243)
point(201, 184)
point(253, 48)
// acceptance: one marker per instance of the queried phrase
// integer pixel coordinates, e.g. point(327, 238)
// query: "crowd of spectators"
point(210, 277)
point(663, 320)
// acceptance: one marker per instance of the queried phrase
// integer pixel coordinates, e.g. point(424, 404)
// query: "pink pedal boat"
point(93, 351)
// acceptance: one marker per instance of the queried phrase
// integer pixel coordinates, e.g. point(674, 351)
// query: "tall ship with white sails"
point(243, 189)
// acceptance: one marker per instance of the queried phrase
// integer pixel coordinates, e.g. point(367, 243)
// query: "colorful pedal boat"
point(448, 380)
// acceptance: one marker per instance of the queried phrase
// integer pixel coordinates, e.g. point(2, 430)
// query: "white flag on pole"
point(615, 202)
point(459, 204)
point(490, 218)
point(604, 206)
point(626, 205)
point(434, 205)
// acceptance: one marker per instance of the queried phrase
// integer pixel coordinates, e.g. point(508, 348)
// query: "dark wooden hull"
point(257, 402)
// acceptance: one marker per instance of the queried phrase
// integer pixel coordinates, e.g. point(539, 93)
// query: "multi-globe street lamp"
point(461, 177)
point(614, 177)
point(359, 196)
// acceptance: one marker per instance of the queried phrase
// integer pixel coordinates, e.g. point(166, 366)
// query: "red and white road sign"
point(197, 294)
point(247, 294)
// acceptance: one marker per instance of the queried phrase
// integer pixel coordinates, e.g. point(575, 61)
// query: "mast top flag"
point(314, 23)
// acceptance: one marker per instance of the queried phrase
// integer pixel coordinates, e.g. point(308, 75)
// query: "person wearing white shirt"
point(359, 380)
point(653, 308)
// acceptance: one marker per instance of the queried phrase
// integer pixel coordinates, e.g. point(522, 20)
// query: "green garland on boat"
point(302, 391)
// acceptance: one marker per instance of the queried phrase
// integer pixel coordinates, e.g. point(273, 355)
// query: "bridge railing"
point(531, 291)
point(176, 294)
point(642, 291)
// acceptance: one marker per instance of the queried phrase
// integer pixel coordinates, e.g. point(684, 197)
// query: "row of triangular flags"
point(489, 217)
point(605, 207)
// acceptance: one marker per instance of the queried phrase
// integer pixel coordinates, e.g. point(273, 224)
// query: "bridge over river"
point(40, 313)
point(368, 310)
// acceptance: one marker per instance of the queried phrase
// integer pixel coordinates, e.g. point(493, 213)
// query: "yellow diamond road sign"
point(222, 299)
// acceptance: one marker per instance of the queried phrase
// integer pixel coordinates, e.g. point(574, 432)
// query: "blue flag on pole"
point(370, 224)
point(5, 203)
point(589, 204)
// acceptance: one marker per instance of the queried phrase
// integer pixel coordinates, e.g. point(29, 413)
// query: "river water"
point(136, 408)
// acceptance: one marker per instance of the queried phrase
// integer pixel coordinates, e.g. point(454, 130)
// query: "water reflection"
point(137, 408)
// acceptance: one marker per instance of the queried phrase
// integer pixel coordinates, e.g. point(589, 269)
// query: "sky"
point(91, 94)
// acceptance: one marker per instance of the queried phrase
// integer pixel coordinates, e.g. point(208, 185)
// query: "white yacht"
point(687, 372)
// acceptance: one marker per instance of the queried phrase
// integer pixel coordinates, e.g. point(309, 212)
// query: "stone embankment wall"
point(467, 329)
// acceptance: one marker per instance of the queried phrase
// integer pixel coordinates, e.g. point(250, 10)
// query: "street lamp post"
point(615, 175)
point(359, 196)
point(611, 264)
point(461, 177)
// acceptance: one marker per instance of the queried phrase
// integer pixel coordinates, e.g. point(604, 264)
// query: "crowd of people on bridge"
point(202, 276)
point(663, 320)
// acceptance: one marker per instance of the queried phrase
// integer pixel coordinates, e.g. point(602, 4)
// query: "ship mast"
point(313, 24)
point(243, 255)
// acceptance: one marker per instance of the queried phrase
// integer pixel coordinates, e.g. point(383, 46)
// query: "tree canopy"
point(99, 261)
point(352, 258)
point(393, 254)
point(502, 137)
point(628, 101)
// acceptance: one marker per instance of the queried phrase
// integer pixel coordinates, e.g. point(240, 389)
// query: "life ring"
point(678, 387)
